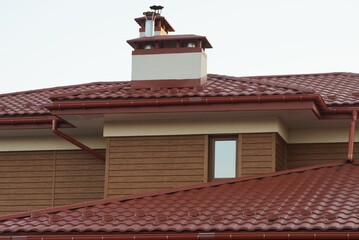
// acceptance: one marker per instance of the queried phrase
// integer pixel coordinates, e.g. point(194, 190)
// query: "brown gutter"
point(185, 101)
point(75, 142)
point(352, 136)
point(196, 236)
point(26, 120)
point(40, 122)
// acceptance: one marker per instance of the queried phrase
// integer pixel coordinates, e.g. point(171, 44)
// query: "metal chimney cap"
point(156, 7)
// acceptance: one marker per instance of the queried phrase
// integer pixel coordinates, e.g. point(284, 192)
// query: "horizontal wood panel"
point(26, 168)
point(157, 160)
point(257, 170)
point(40, 179)
point(174, 172)
point(170, 154)
point(79, 189)
point(257, 164)
point(162, 148)
point(85, 184)
point(83, 189)
point(146, 185)
point(79, 173)
point(19, 208)
point(78, 197)
point(257, 154)
point(173, 166)
point(24, 197)
point(61, 202)
point(138, 164)
point(141, 179)
point(61, 179)
point(256, 158)
point(23, 202)
point(123, 192)
point(80, 167)
point(317, 153)
point(27, 178)
point(280, 153)
point(256, 139)
point(251, 146)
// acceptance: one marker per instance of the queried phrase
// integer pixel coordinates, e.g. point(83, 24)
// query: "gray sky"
point(45, 43)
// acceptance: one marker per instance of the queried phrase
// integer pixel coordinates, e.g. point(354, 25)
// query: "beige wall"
point(165, 127)
point(320, 135)
point(47, 143)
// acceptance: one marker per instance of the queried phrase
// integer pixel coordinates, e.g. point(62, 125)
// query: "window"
point(223, 157)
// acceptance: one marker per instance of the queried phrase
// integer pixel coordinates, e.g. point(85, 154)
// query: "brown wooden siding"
point(139, 164)
point(280, 153)
point(39, 179)
point(300, 155)
point(257, 153)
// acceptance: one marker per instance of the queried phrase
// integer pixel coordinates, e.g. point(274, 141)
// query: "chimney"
point(163, 60)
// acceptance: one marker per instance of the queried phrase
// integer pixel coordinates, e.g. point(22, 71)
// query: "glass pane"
point(225, 158)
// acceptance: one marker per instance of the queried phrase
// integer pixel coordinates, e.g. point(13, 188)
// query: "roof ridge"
point(296, 74)
point(170, 191)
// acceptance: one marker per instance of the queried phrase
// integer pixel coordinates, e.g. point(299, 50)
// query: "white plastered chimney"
point(162, 60)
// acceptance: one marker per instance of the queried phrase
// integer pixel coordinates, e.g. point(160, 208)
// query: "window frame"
point(211, 155)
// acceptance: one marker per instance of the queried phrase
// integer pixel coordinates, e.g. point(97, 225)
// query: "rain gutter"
point(107, 104)
point(63, 105)
point(197, 236)
point(75, 142)
point(39, 122)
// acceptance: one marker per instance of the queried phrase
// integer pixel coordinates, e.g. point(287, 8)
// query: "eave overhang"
point(273, 102)
point(31, 122)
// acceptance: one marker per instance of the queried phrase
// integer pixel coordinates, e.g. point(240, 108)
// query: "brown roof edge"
point(79, 104)
point(195, 236)
point(172, 190)
point(29, 122)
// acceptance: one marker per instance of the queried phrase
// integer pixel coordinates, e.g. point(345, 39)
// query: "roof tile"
point(344, 86)
point(311, 198)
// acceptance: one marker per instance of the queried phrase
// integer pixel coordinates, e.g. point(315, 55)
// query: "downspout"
point(352, 136)
point(75, 142)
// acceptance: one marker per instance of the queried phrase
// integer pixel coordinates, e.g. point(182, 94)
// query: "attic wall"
point(256, 153)
point(38, 179)
point(140, 164)
point(300, 155)
point(281, 162)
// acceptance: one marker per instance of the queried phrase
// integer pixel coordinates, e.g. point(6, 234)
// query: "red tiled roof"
point(317, 198)
point(33, 102)
point(216, 86)
point(335, 88)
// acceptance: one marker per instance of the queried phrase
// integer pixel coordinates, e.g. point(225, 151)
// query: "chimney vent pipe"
point(149, 27)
